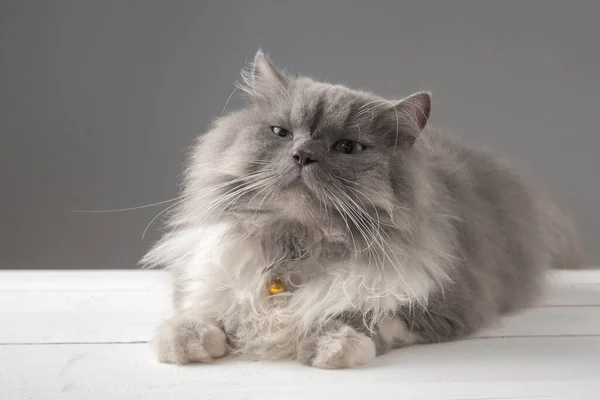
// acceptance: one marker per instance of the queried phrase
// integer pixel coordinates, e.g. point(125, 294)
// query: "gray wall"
point(100, 99)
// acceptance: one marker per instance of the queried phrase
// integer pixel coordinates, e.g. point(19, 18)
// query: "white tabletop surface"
point(82, 335)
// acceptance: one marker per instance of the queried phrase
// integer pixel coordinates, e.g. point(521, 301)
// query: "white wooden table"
point(82, 335)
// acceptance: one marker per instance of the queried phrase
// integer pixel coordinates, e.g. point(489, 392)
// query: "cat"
point(376, 231)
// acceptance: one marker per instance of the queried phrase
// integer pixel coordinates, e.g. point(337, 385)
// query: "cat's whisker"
point(176, 201)
point(157, 216)
point(364, 230)
point(340, 209)
point(233, 197)
point(376, 237)
point(268, 188)
point(361, 194)
point(129, 208)
point(227, 101)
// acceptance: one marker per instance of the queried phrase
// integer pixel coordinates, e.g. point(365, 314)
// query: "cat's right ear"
point(262, 80)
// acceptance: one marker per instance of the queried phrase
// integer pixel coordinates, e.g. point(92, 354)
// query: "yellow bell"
point(276, 286)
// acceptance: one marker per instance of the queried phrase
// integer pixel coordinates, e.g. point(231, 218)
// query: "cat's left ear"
point(413, 114)
point(264, 81)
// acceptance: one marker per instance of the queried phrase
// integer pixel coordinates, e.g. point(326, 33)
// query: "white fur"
point(345, 348)
point(221, 277)
point(186, 339)
point(394, 332)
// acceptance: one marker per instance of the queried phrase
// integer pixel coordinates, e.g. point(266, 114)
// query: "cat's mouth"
point(304, 177)
point(294, 179)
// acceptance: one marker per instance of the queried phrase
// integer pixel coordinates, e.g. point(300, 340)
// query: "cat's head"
point(309, 153)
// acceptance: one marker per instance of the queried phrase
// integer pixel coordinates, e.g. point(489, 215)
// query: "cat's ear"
point(413, 114)
point(263, 80)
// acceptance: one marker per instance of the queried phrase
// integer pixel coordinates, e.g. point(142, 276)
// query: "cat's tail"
point(562, 239)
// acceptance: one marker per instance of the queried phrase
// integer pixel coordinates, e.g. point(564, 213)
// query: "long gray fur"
point(464, 218)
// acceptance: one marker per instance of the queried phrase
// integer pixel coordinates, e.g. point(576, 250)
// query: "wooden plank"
point(57, 280)
point(548, 321)
point(569, 288)
point(144, 279)
point(128, 326)
point(126, 306)
point(552, 368)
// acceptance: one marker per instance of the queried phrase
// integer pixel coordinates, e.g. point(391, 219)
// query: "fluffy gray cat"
point(329, 225)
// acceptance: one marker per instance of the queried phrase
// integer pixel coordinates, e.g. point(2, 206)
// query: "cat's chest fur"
point(225, 274)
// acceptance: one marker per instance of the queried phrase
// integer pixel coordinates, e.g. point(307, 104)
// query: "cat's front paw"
point(341, 347)
point(184, 340)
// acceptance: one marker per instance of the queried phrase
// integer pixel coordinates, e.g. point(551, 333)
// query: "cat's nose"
point(303, 157)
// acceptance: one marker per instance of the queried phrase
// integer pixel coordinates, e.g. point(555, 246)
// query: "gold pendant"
point(276, 286)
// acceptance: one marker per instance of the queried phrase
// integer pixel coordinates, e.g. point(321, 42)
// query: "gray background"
point(99, 100)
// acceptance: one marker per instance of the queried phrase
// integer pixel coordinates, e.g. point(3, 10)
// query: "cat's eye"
point(348, 146)
point(279, 131)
